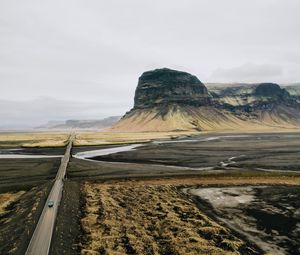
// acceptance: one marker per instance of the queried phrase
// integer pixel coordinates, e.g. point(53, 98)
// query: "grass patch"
point(107, 138)
point(38, 139)
point(150, 219)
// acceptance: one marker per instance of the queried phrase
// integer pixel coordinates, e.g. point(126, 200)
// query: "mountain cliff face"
point(163, 87)
point(255, 94)
point(168, 100)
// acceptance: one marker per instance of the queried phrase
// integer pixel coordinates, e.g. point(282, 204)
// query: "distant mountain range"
point(168, 100)
point(239, 89)
point(81, 124)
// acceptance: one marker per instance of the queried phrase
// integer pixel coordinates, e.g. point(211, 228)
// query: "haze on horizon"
point(82, 59)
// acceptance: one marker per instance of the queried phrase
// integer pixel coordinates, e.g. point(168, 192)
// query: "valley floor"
point(161, 200)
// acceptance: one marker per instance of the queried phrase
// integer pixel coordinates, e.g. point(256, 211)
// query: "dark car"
point(50, 203)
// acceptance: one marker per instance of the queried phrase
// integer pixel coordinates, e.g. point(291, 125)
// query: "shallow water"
point(200, 139)
point(8, 150)
point(102, 152)
point(9, 156)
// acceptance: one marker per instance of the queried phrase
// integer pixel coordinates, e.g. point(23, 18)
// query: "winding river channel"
point(89, 154)
point(102, 152)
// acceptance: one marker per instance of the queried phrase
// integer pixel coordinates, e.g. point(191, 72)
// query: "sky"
point(71, 59)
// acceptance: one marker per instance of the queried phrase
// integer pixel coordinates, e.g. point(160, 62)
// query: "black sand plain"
point(244, 151)
point(265, 155)
point(34, 177)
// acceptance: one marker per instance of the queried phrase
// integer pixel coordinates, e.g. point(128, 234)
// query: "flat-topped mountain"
point(165, 86)
point(168, 100)
point(270, 90)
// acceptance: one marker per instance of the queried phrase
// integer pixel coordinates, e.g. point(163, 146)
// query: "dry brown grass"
point(19, 217)
point(149, 218)
point(34, 139)
point(118, 137)
point(251, 179)
point(7, 198)
point(109, 137)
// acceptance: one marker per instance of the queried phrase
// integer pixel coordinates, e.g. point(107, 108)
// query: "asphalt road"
point(41, 239)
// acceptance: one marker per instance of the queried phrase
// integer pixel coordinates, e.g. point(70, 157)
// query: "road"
point(41, 239)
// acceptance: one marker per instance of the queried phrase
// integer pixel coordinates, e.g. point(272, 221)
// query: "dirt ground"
point(151, 219)
point(68, 229)
point(244, 151)
point(269, 216)
point(23, 174)
point(138, 207)
point(24, 187)
point(121, 200)
point(19, 217)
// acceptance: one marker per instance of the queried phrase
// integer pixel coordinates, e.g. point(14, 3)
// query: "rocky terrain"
point(163, 87)
point(268, 216)
point(245, 94)
point(168, 100)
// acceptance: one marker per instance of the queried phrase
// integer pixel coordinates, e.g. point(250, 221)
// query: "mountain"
point(236, 91)
point(294, 90)
point(81, 124)
point(163, 87)
point(168, 100)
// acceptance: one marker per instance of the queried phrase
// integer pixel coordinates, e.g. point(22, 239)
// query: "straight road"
point(41, 239)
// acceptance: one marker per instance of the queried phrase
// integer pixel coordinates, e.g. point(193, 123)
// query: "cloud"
point(31, 113)
point(248, 73)
point(93, 53)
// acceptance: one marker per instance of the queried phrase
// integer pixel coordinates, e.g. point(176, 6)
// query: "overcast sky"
point(62, 59)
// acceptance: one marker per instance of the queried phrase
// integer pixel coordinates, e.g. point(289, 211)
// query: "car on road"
point(50, 203)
